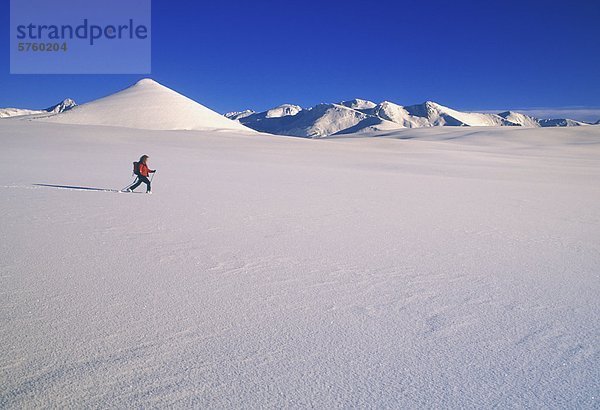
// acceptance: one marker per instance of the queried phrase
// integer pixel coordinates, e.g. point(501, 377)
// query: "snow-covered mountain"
point(439, 115)
point(236, 115)
point(150, 105)
point(17, 112)
point(62, 106)
point(399, 115)
point(528, 121)
point(520, 119)
point(358, 116)
point(147, 105)
point(319, 121)
point(561, 122)
point(358, 104)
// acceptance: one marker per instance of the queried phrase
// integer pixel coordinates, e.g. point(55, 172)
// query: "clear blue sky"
point(232, 55)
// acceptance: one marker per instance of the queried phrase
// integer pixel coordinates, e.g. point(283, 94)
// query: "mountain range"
point(62, 106)
point(360, 116)
point(150, 105)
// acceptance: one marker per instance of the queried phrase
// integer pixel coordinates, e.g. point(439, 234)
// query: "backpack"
point(136, 168)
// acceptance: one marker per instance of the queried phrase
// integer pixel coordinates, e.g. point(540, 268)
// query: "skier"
point(141, 170)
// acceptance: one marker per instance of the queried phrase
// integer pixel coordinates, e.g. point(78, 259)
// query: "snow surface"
point(147, 105)
point(422, 268)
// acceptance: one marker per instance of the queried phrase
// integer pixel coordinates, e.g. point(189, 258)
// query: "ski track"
point(422, 270)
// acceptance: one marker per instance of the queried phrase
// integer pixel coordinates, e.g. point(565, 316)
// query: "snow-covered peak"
point(147, 82)
point(423, 110)
point(147, 105)
point(358, 104)
point(358, 115)
point(438, 114)
point(283, 110)
point(398, 114)
point(64, 105)
point(237, 115)
point(434, 105)
point(561, 122)
point(520, 119)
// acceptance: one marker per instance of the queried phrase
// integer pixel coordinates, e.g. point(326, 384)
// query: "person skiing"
point(142, 171)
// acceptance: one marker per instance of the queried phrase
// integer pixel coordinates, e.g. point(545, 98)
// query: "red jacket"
point(144, 170)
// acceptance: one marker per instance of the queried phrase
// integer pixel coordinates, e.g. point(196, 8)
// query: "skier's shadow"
point(77, 188)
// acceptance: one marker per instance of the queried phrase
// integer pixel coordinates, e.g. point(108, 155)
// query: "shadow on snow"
point(77, 188)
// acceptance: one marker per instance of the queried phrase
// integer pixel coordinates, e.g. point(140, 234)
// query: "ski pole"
point(135, 179)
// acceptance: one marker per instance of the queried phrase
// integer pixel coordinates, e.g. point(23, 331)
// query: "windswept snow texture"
point(442, 267)
point(363, 116)
point(147, 105)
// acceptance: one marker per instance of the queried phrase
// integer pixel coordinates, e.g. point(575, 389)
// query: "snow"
point(398, 114)
point(443, 267)
point(283, 110)
point(64, 105)
point(527, 121)
point(326, 119)
point(237, 115)
point(359, 104)
point(561, 122)
point(319, 121)
point(363, 116)
point(437, 115)
point(147, 105)
point(17, 112)
point(520, 119)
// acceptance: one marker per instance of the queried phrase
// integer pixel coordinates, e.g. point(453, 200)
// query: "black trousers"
point(139, 181)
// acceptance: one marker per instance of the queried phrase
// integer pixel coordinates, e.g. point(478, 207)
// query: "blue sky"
point(465, 54)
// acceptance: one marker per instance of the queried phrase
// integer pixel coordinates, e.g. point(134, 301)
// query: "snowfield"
point(419, 268)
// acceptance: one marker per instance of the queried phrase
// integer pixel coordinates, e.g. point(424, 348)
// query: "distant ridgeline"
point(150, 105)
point(359, 116)
point(62, 106)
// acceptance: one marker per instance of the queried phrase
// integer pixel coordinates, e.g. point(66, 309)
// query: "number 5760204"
point(35, 47)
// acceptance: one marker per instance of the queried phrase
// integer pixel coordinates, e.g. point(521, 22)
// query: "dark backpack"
point(136, 168)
